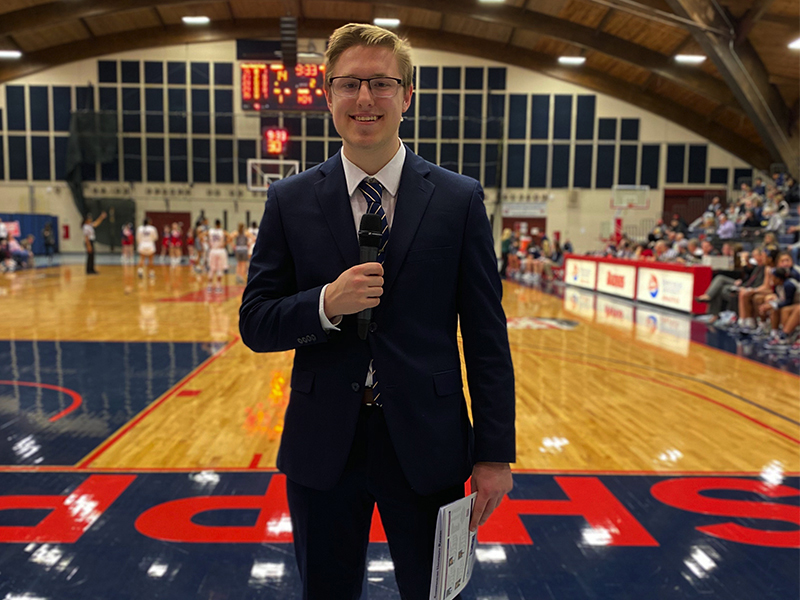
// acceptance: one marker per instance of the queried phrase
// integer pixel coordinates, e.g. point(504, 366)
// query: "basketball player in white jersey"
point(217, 254)
point(252, 234)
point(146, 238)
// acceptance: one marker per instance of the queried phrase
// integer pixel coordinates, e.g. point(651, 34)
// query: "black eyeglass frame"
point(369, 81)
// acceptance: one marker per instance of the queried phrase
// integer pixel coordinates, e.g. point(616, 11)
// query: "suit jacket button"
point(299, 340)
point(373, 327)
point(313, 338)
point(356, 386)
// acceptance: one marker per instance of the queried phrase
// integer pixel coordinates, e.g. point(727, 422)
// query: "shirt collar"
point(388, 176)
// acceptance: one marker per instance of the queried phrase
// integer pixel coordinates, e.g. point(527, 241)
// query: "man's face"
point(785, 262)
point(366, 122)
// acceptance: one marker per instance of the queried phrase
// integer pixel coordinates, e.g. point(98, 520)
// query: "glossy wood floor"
point(597, 390)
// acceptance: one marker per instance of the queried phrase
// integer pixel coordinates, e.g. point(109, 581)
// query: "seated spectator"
point(692, 253)
point(726, 229)
point(750, 221)
point(758, 187)
point(19, 255)
point(792, 193)
point(715, 206)
point(774, 222)
point(778, 307)
point(708, 248)
point(724, 289)
point(751, 298)
point(794, 247)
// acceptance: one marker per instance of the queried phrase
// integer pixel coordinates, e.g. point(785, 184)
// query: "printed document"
point(454, 549)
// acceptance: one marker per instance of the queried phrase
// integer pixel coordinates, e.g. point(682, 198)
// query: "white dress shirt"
point(389, 178)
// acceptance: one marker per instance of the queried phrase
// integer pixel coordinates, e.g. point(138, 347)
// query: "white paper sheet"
point(454, 549)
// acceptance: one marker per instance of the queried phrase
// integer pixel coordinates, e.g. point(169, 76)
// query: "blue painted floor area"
point(570, 537)
point(115, 381)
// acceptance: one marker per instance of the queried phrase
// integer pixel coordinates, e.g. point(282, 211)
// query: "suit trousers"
point(90, 258)
point(719, 289)
point(331, 527)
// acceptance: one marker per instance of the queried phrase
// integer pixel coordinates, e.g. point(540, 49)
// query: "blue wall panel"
point(201, 160)
point(490, 166)
point(629, 129)
point(537, 175)
point(39, 108)
point(515, 166)
point(719, 175)
point(540, 116)
point(517, 116)
point(131, 110)
point(17, 158)
point(472, 161)
point(676, 159)
point(178, 160)
point(60, 156)
point(584, 121)
point(559, 176)
point(448, 157)
point(201, 107)
point(628, 156)
point(698, 161)
point(15, 107)
point(562, 117)
point(604, 177)
point(223, 105)
point(223, 73)
point(651, 159)
point(62, 107)
point(154, 105)
point(606, 129)
point(451, 116)
point(428, 114)
point(246, 149)
point(224, 157)
point(176, 98)
point(473, 116)
point(496, 117)
point(155, 159)
point(582, 176)
point(132, 159)
point(153, 72)
point(40, 157)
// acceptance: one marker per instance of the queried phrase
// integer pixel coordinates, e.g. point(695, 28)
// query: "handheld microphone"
point(369, 240)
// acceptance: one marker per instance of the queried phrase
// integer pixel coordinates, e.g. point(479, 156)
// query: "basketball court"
point(140, 438)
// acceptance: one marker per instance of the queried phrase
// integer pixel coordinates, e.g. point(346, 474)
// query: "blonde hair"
point(361, 34)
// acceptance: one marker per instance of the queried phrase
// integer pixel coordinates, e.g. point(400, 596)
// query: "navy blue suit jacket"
point(440, 270)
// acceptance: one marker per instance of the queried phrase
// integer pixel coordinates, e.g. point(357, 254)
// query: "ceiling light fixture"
point(386, 22)
point(690, 59)
point(795, 45)
point(571, 60)
point(491, 1)
point(10, 54)
point(196, 20)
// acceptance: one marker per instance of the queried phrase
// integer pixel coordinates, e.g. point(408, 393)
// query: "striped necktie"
point(372, 190)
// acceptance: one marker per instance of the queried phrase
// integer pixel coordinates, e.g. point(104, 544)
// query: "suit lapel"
point(334, 202)
point(413, 196)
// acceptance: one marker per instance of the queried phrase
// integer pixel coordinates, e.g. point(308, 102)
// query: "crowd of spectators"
point(756, 291)
point(16, 252)
point(531, 258)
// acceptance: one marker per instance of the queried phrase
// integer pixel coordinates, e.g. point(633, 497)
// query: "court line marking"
point(77, 399)
point(166, 470)
point(680, 389)
point(95, 454)
point(255, 461)
point(697, 380)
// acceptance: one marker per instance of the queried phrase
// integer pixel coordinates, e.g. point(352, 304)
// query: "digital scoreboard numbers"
point(271, 86)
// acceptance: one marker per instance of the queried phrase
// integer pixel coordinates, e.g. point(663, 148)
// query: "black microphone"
point(369, 240)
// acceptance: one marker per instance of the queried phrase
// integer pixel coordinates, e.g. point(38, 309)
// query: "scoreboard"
point(271, 86)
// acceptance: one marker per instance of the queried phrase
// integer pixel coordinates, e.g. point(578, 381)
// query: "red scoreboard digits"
point(274, 87)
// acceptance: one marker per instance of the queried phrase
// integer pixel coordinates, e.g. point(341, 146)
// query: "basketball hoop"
point(262, 172)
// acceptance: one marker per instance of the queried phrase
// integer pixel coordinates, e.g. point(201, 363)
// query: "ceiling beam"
point(422, 38)
point(587, 38)
point(584, 37)
point(53, 13)
point(750, 18)
point(747, 77)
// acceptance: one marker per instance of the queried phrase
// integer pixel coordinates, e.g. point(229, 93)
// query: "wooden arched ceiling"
point(744, 98)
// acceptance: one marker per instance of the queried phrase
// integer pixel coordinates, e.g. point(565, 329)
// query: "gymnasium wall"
point(184, 140)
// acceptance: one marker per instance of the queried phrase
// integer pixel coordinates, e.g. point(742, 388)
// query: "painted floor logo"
point(541, 323)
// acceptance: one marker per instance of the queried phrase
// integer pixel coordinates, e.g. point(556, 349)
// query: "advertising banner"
point(618, 280)
point(581, 273)
point(670, 289)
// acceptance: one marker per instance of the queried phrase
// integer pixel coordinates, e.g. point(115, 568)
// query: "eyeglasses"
point(349, 87)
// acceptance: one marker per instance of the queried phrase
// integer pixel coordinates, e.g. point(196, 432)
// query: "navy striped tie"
point(372, 190)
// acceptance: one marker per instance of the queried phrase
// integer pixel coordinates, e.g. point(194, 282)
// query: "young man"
point(89, 238)
point(381, 420)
